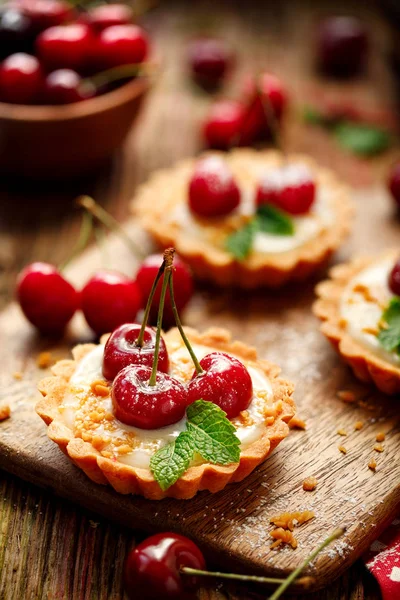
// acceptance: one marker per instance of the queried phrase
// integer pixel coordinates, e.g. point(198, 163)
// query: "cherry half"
point(21, 79)
point(208, 59)
point(213, 191)
point(47, 300)
point(222, 128)
point(291, 188)
point(152, 569)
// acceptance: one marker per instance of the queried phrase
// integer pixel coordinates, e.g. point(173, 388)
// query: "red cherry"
point(66, 46)
point(47, 300)
point(107, 15)
point(342, 46)
point(16, 31)
point(183, 285)
point(110, 299)
point(64, 86)
point(209, 60)
point(147, 406)
point(394, 183)
point(290, 188)
point(222, 128)
point(258, 92)
point(394, 279)
point(21, 79)
point(152, 569)
point(47, 13)
point(122, 350)
point(121, 45)
point(212, 189)
point(225, 381)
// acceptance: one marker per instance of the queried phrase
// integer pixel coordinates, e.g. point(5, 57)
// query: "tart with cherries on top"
point(247, 218)
point(360, 309)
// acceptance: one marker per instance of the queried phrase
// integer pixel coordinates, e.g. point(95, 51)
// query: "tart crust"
point(212, 263)
point(367, 366)
point(126, 479)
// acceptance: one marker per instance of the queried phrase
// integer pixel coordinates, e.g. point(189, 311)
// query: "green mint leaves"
point(268, 219)
point(389, 337)
point(209, 433)
point(362, 139)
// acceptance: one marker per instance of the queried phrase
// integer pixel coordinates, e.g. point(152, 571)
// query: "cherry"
point(152, 569)
point(65, 86)
point(224, 381)
point(394, 278)
point(342, 46)
point(212, 189)
point(394, 183)
point(106, 15)
point(209, 60)
point(66, 46)
point(110, 299)
point(47, 13)
point(122, 349)
point(121, 45)
point(47, 300)
point(291, 189)
point(16, 31)
point(183, 285)
point(21, 79)
point(222, 128)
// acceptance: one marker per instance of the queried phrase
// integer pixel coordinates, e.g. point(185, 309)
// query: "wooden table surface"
point(49, 548)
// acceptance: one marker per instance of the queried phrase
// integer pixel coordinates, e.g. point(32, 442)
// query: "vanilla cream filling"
point(362, 311)
point(149, 441)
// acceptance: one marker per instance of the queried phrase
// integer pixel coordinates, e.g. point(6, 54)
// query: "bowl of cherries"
point(71, 85)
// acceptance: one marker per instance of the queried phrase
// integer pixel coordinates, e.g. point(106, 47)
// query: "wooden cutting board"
point(233, 526)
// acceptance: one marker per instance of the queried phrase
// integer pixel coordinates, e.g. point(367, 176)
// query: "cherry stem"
point(168, 262)
point(84, 235)
point(108, 221)
point(237, 576)
point(121, 72)
point(140, 339)
point(271, 117)
point(179, 326)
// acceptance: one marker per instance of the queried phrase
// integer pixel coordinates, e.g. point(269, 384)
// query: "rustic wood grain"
point(48, 548)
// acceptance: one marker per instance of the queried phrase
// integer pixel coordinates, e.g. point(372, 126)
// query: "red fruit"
point(64, 86)
point(121, 45)
point(222, 129)
point(183, 285)
point(394, 183)
point(264, 93)
point(110, 299)
point(152, 569)
point(342, 46)
point(66, 47)
point(107, 15)
point(16, 31)
point(226, 382)
point(394, 279)
point(209, 60)
point(291, 189)
point(212, 189)
point(147, 406)
point(122, 350)
point(47, 300)
point(21, 79)
point(47, 13)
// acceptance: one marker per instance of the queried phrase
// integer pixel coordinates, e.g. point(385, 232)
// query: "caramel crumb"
point(100, 387)
point(5, 412)
point(269, 420)
point(378, 448)
point(310, 484)
point(362, 289)
point(44, 360)
point(372, 464)
point(289, 520)
point(297, 423)
point(342, 449)
point(245, 418)
point(18, 375)
point(371, 330)
point(346, 396)
point(343, 323)
point(358, 425)
point(341, 432)
point(283, 536)
point(380, 437)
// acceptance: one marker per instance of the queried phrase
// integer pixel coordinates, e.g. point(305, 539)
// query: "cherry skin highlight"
point(47, 300)
point(213, 191)
point(21, 79)
point(110, 299)
point(147, 406)
point(225, 381)
point(223, 126)
point(152, 569)
point(122, 350)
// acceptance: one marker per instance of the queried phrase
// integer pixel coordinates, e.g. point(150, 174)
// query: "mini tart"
point(350, 305)
point(84, 443)
point(162, 208)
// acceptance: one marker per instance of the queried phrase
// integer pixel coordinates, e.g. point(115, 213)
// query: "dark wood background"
point(51, 549)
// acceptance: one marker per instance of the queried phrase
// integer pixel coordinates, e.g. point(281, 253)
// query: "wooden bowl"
point(63, 141)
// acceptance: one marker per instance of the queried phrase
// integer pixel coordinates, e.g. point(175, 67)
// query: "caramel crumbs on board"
point(372, 464)
point(358, 425)
point(245, 418)
point(380, 437)
point(288, 520)
point(100, 387)
point(341, 432)
point(44, 360)
point(5, 412)
point(283, 536)
point(309, 484)
point(378, 448)
point(297, 423)
point(18, 375)
point(346, 395)
point(342, 449)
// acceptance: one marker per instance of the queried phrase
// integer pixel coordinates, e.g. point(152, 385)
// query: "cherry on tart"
point(291, 189)
point(66, 47)
point(21, 79)
point(213, 191)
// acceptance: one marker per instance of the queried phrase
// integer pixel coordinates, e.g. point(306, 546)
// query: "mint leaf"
point(213, 434)
point(172, 460)
point(389, 338)
point(313, 116)
point(272, 220)
point(240, 242)
point(362, 139)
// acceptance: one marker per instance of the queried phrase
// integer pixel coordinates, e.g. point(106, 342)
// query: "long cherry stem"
point(168, 261)
point(117, 73)
point(236, 576)
point(161, 270)
point(271, 117)
point(84, 235)
point(179, 326)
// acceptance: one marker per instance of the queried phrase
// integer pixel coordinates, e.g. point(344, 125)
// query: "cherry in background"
point(21, 79)
point(341, 46)
point(394, 183)
point(121, 45)
point(64, 86)
point(213, 191)
point(209, 60)
point(106, 15)
point(223, 126)
point(66, 47)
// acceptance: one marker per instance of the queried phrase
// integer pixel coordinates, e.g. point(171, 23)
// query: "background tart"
point(350, 305)
point(104, 462)
point(162, 208)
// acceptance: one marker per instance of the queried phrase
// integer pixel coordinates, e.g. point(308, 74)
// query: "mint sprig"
point(362, 139)
point(268, 219)
point(209, 433)
point(389, 336)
